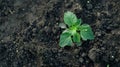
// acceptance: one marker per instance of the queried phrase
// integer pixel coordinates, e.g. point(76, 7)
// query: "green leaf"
point(65, 39)
point(79, 21)
point(71, 31)
point(70, 18)
point(76, 37)
point(86, 32)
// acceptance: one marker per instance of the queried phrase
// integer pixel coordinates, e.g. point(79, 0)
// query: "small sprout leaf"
point(65, 39)
point(76, 37)
point(79, 21)
point(70, 18)
point(86, 32)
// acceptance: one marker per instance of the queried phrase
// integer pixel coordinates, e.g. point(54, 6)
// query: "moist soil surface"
point(30, 33)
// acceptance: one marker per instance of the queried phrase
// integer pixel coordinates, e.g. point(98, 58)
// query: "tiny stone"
point(69, 5)
point(99, 34)
point(34, 29)
point(88, 1)
point(83, 54)
point(1, 40)
point(76, 51)
point(77, 56)
point(103, 48)
point(81, 60)
point(62, 25)
point(89, 6)
point(112, 56)
point(60, 50)
point(98, 14)
point(14, 42)
point(87, 61)
point(17, 51)
point(23, 9)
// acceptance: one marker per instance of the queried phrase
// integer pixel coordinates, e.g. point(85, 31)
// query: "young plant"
point(75, 31)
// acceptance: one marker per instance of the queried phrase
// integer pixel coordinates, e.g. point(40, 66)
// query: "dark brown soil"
point(29, 33)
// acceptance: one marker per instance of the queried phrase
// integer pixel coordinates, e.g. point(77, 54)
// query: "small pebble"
point(81, 60)
point(89, 6)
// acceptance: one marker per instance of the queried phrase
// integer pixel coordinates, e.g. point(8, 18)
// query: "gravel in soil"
point(29, 33)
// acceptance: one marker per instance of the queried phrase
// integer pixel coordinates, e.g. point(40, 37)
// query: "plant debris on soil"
point(30, 32)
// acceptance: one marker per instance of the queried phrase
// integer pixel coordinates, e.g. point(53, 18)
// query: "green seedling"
point(75, 31)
